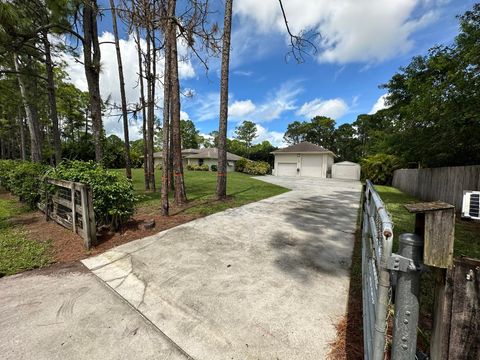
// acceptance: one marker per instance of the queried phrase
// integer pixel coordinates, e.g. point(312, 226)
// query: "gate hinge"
point(400, 263)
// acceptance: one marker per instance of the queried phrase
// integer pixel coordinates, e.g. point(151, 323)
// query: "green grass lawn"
point(17, 252)
point(467, 233)
point(200, 188)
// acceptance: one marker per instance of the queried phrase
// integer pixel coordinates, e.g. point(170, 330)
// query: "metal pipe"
point(407, 299)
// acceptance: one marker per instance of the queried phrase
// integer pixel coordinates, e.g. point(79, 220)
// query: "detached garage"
point(346, 170)
point(303, 159)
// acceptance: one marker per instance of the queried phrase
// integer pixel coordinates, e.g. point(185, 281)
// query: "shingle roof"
point(212, 153)
point(159, 154)
point(303, 147)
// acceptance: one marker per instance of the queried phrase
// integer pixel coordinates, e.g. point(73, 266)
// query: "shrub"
point(256, 168)
point(189, 167)
point(25, 181)
point(6, 166)
point(113, 195)
point(213, 167)
point(240, 164)
point(379, 168)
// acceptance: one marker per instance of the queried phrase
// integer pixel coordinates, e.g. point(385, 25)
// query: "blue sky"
point(363, 44)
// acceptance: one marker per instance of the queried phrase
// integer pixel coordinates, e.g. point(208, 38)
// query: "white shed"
point(346, 170)
point(303, 159)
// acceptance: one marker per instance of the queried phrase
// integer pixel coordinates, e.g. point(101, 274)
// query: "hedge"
point(252, 167)
point(113, 194)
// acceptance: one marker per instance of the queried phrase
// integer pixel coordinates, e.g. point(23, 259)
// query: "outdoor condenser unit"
point(471, 205)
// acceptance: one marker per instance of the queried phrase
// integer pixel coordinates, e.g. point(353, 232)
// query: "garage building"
point(303, 159)
point(346, 170)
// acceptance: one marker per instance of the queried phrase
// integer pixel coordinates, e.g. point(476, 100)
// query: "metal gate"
point(377, 238)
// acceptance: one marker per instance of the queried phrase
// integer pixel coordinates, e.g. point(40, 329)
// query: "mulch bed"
point(68, 247)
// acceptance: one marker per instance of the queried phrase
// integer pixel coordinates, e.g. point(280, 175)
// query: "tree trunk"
point(91, 52)
point(171, 181)
point(166, 125)
point(128, 166)
point(150, 112)
point(180, 195)
point(21, 127)
point(151, 120)
point(32, 119)
point(52, 98)
point(222, 128)
point(144, 114)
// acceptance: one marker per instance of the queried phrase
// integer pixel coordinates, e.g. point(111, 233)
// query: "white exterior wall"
point(211, 162)
point(348, 171)
point(310, 165)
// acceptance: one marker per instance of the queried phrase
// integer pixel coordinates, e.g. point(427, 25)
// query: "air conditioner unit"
point(471, 205)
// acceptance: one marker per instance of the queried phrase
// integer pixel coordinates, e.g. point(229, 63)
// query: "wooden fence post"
point(74, 210)
point(435, 222)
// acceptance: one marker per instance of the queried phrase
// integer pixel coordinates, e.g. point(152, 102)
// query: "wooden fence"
point(70, 204)
point(444, 184)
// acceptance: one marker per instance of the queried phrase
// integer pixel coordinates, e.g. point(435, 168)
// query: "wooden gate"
point(70, 204)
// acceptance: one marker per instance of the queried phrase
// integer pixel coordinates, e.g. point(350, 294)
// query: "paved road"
point(264, 281)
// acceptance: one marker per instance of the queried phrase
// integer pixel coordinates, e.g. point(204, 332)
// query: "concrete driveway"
point(267, 280)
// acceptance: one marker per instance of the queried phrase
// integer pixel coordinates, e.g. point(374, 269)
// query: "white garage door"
point(287, 169)
point(313, 165)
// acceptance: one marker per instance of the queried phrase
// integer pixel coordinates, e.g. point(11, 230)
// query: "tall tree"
point(246, 132)
point(180, 195)
point(32, 115)
point(223, 119)
point(128, 167)
point(142, 105)
point(92, 56)
point(167, 90)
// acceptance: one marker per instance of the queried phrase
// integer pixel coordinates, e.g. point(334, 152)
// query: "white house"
point(303, 159)
point(206, 156)
point(209, 156)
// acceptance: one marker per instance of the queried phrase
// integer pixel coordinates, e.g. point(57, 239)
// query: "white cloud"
point(184, 115)
point(281, 100)
point(351, 30)
point(333, 108)
point(241, 108)
point(379, 104)
point(109, 81)
point(274, 137)
point(205, 107)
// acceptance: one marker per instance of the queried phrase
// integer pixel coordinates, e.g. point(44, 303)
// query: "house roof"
point(211, 153)
point(303, 147)
point(347, 163)
point(159, 154)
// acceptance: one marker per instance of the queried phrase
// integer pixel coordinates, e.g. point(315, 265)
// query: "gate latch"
point(400, 263)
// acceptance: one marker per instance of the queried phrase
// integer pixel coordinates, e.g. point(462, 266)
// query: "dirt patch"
point(68, 247)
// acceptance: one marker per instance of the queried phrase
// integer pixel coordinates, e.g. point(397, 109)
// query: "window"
point(200, 161)
point(230, 163)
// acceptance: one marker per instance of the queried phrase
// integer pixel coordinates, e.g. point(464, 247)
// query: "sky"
point(362, 44)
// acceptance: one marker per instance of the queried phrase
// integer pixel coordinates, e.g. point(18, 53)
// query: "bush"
point(213, 167)
point(240, 164)
point(379, 168)
point(113, 195)
point(25, 181)
point(6, 166)
point(256, 168)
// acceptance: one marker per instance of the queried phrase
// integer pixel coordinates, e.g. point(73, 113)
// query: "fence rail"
point(70, 204)
point(377, 236)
